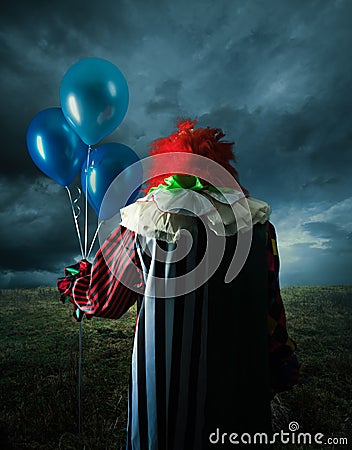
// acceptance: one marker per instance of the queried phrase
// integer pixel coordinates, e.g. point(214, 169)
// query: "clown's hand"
point(65, 284)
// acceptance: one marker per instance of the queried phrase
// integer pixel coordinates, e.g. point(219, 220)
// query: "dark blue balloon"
point(55, 147)
point(106, 162)
point(94, 98)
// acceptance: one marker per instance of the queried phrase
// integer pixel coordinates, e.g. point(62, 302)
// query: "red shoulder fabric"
point(104, 292)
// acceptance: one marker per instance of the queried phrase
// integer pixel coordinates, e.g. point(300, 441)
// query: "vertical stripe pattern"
point(199, 360)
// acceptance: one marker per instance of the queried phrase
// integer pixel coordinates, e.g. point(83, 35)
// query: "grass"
point(39, 353)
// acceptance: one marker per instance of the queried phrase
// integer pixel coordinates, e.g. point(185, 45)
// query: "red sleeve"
point(108, 290)
point(284, 365)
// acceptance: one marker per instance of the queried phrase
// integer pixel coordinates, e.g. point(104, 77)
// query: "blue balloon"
point(55, 147)
point(94, 98)
point(106, 162)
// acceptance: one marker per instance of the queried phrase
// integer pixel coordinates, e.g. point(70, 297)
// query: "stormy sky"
point(275, 75)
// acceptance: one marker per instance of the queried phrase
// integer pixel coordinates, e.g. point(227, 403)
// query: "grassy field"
point(38, 361)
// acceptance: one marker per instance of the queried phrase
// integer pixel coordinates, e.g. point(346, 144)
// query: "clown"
point(199, 256)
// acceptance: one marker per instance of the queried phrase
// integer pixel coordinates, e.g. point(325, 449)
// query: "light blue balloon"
point(94, 98)
point(105, 163)
point(55, 147)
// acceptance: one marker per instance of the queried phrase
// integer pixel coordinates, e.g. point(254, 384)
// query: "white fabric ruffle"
point(162, 214)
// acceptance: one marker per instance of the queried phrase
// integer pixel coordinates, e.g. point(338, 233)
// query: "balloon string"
point(94, 238)
point(80, 324)
point(86, 206)
point(75, 215)
point(80, 381)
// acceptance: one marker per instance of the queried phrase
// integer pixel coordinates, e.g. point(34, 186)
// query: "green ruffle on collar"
point(182, 182)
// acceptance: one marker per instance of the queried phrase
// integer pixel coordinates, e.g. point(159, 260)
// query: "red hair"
point(187, 139)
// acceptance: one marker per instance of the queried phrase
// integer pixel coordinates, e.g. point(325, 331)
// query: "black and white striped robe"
point(200, 360)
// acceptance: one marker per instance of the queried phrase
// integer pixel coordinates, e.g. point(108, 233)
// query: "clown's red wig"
point(187, 139)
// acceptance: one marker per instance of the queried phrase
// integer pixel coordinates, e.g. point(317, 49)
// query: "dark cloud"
point(37, 226)
point(320, 181)
point(323, 229)
point(166, 98)
point(274, 75)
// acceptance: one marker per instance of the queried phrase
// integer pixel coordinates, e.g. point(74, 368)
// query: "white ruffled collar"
point(163, 213)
